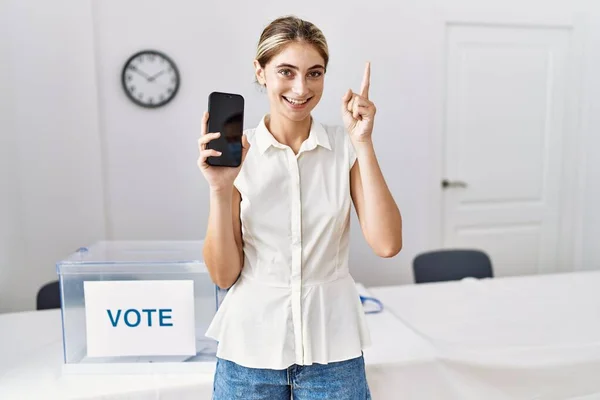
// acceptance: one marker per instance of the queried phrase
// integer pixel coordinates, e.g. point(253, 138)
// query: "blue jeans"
point(344, 380)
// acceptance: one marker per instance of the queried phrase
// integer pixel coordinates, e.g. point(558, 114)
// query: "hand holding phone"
point(218, 178)
point(226, 112)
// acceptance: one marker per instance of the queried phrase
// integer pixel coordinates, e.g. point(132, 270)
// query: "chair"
point(48, 296)
point(451, 265)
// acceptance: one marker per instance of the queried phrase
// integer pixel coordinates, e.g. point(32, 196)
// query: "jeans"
point(343, 380)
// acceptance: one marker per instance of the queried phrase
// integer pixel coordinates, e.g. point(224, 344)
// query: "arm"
point(379, 216)
point(223, 248)
point(377, 212)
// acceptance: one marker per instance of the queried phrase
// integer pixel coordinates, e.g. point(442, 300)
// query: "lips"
point(296, 103)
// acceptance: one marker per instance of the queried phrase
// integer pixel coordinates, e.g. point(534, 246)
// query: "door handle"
point(453, 184)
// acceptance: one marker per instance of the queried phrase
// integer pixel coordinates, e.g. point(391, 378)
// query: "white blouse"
point(295, 301)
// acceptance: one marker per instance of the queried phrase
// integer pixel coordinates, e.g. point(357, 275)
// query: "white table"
point(507, 338)
point(535, 337)
point(31, 365)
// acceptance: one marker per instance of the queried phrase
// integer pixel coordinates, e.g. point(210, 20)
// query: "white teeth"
point(295, 102)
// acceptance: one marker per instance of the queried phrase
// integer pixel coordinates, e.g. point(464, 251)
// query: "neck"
point(288, 132)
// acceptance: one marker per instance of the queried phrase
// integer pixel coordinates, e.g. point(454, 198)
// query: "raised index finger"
point(364, 87)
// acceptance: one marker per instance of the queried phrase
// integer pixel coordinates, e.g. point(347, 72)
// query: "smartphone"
point(226, 115)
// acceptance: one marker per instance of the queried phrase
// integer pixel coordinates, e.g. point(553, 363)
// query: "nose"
point(300, 88)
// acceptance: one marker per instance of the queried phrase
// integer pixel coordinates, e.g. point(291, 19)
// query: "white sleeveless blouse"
point(295, 301)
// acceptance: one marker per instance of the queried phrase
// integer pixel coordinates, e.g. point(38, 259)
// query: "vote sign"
point(140, 318)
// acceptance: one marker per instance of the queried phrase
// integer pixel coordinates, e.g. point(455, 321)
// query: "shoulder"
point(338, 138)
point(250, 160)
point(250, 133)
point(332, 130)
point(340, 143)
point(336, 135)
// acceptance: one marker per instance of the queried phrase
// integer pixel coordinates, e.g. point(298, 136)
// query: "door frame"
point(570, 252)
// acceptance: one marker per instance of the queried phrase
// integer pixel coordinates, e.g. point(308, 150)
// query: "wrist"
point(363, 146)
point(221, 191)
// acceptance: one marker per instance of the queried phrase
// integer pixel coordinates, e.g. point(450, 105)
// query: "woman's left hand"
point(358, 112)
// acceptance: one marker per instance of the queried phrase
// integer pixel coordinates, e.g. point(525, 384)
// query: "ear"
point(260, 73)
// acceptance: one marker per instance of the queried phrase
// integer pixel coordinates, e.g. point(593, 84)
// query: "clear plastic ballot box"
point(137, 306)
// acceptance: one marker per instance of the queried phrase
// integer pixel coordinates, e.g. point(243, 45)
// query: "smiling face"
point(294, 80)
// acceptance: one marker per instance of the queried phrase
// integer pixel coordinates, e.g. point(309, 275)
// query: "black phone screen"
point(226, 115)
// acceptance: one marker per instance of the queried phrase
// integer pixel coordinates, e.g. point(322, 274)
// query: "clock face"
point(150, 78)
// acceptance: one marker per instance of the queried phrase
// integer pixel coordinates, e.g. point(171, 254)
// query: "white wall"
point(11, 243)
point(90, 164)
point(55, 155)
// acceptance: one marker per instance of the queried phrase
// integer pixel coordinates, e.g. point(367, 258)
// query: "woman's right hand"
point(219, 178)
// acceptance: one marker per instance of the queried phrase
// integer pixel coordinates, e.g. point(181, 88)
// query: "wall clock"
point(150, 78)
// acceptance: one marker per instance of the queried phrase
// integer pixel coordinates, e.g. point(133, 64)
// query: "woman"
point(292, 322)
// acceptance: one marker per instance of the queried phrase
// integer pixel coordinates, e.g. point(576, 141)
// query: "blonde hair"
point(285, 30)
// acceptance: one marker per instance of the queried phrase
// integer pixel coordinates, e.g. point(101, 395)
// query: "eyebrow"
point(296, 68)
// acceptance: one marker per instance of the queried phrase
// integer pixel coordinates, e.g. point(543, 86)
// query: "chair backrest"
point(451, 265)
point(48, 296)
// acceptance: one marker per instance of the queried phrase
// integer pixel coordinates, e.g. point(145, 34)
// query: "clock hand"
point(153, 77)
point(139, 71)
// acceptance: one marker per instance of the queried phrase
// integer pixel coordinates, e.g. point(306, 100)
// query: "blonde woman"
point(292, 324)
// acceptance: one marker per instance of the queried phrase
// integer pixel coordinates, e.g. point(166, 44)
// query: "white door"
point(504, 128)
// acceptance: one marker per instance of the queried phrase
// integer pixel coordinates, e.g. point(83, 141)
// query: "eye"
point(285, 72)
point(315, 74)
